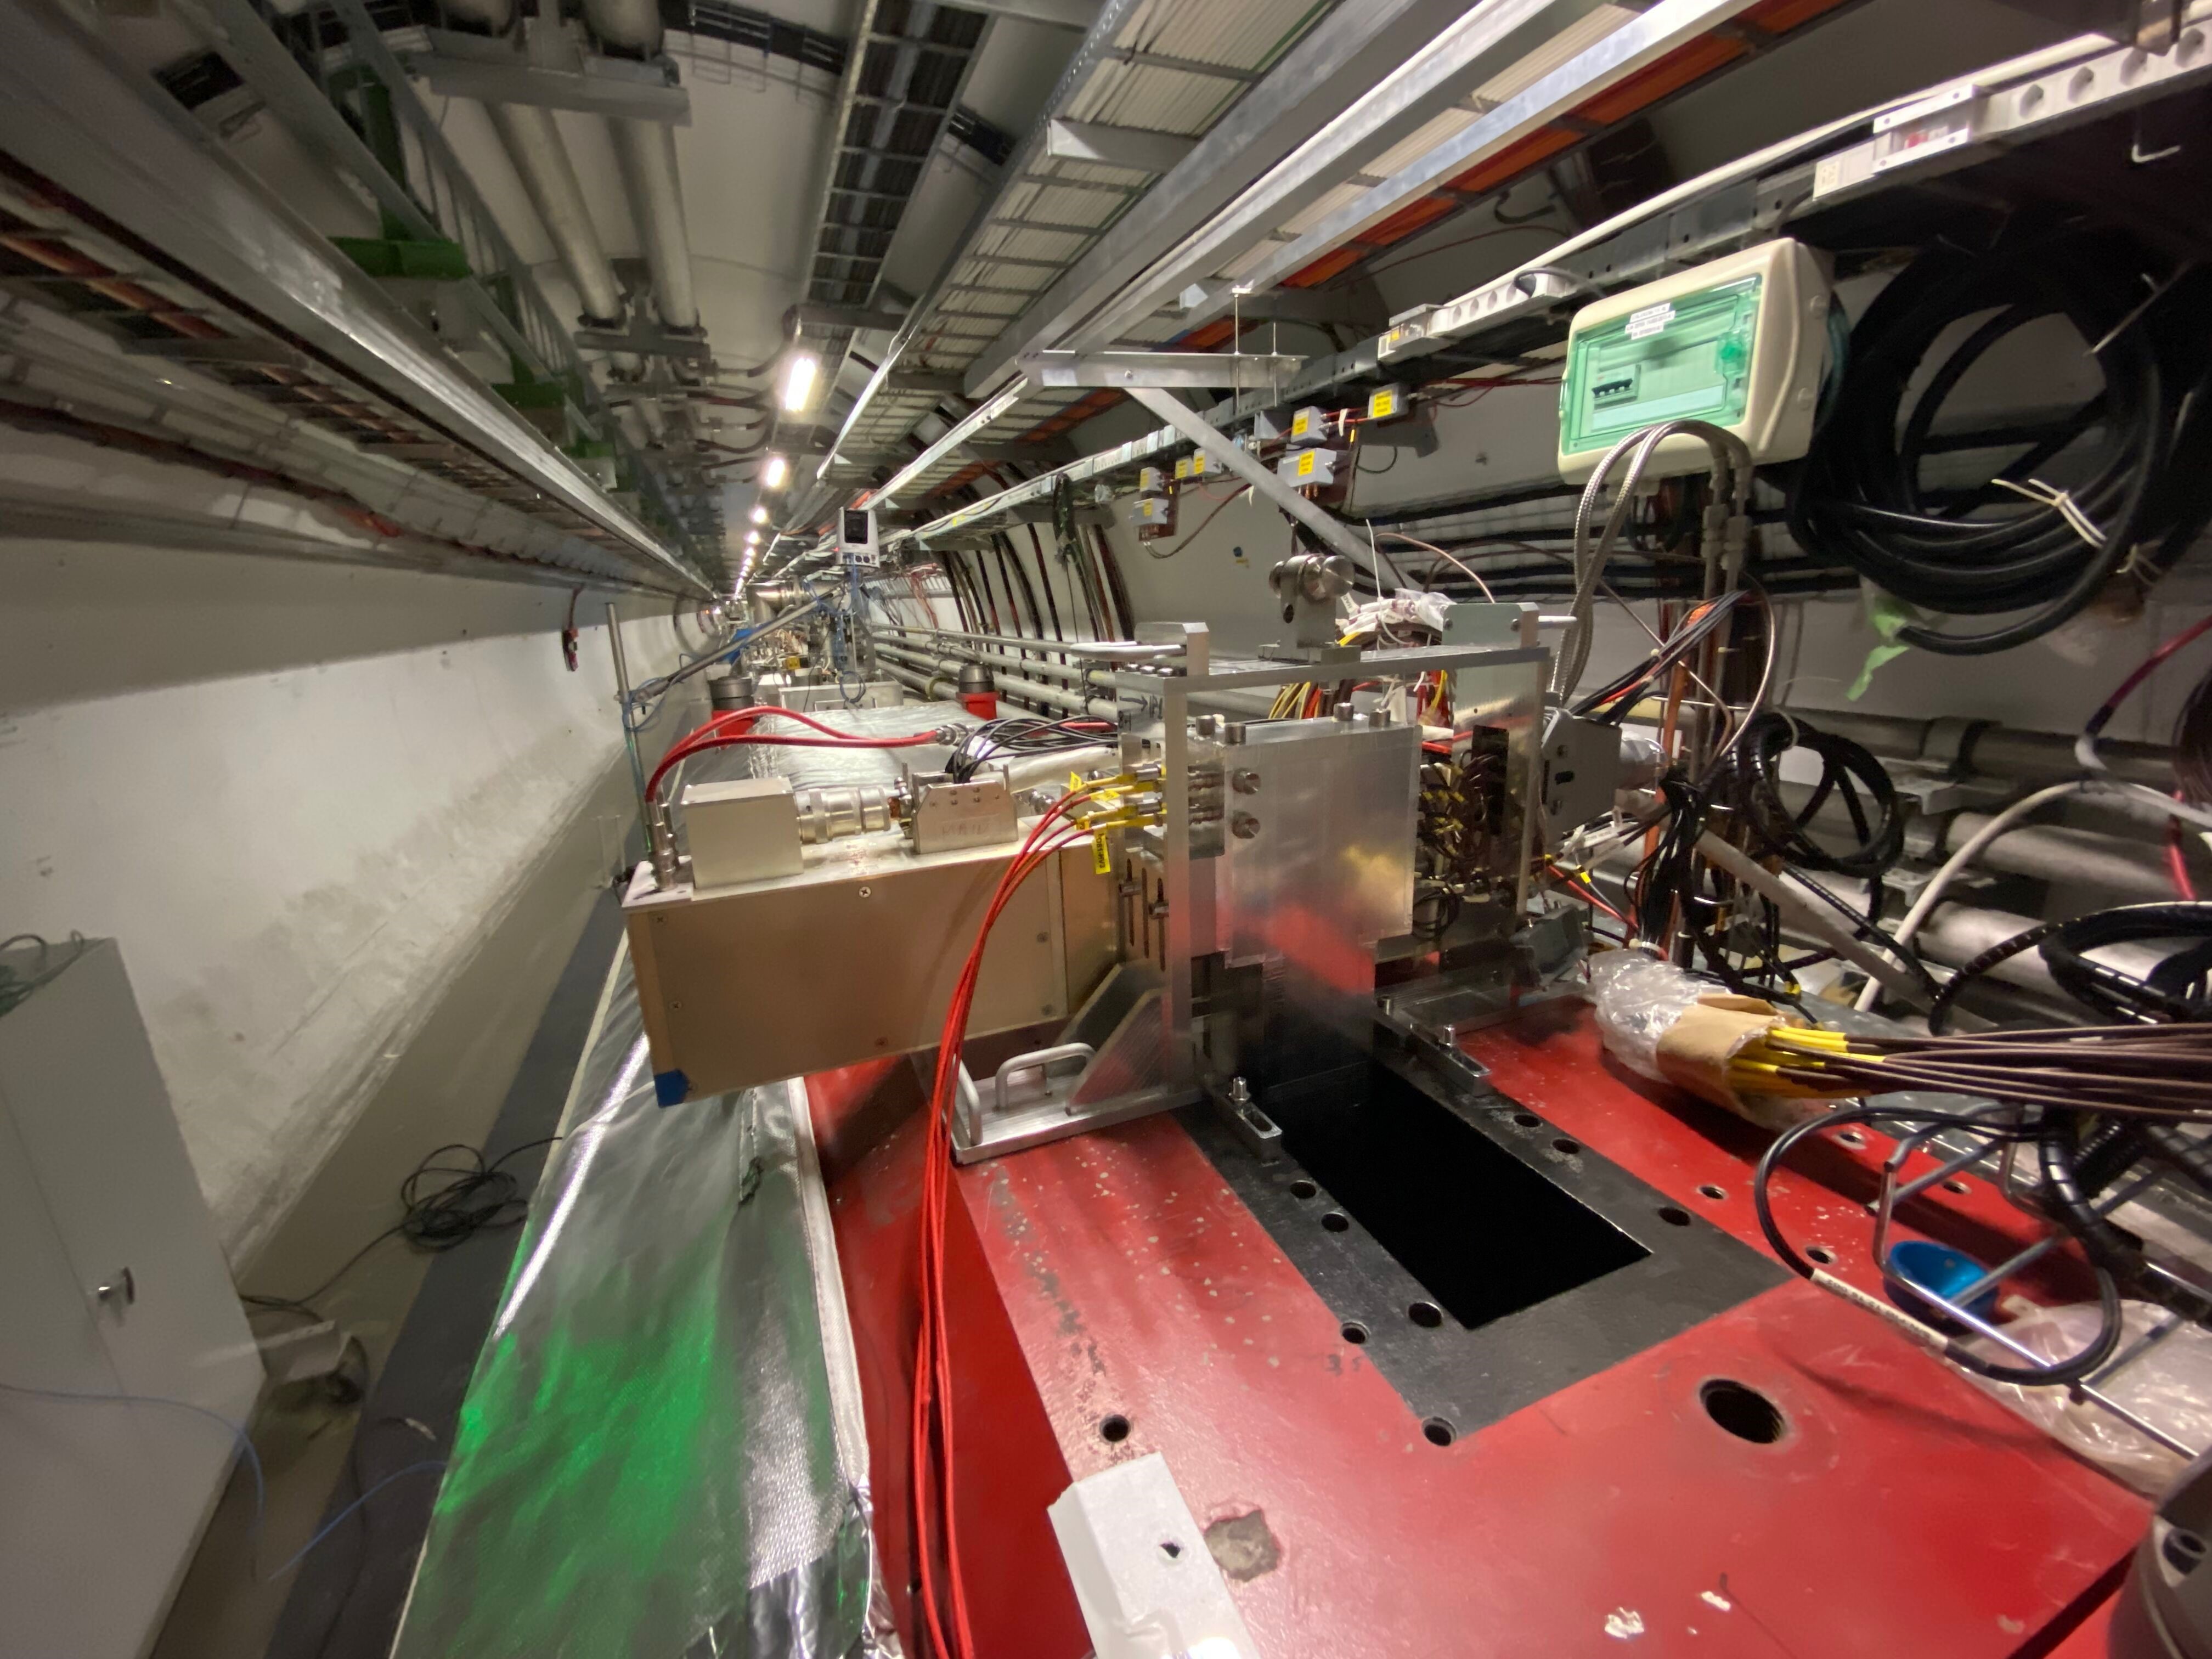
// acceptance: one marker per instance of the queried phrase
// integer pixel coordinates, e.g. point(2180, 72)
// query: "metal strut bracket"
point(1333, 533)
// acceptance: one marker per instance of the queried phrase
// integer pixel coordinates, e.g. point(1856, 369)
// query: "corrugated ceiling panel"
point(1583, 34)
point(1326, 203)
point(1423, 139)
point(1246, 34)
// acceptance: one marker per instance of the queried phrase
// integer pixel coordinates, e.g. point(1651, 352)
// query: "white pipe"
point(1932, 894)
point(1792, 901)
point(533, 143)
point(632, 24)
point(646, 150)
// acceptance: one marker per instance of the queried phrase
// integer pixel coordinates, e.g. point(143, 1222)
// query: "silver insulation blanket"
point(661, 1452)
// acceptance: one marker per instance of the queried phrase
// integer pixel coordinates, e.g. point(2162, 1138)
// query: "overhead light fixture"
point(775, 472)
point(752, 539)
point(798, 381)
point(760, 513)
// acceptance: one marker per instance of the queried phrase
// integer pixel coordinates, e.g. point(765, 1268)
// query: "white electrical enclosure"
point(856, 535)
point(1740, 344)
point(113, 1286)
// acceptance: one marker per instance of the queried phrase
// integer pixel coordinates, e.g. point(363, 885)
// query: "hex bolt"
point(1243, 826)
point(1244, 782)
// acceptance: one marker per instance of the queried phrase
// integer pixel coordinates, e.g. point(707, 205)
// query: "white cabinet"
point(111, 1283)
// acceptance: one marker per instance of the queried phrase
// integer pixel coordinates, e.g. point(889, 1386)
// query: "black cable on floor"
point(477, 1196)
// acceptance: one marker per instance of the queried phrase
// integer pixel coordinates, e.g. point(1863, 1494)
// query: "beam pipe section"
point(534, 144)
point(647, 151)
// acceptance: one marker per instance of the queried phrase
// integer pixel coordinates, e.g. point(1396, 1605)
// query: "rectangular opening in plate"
point(1484, 1233)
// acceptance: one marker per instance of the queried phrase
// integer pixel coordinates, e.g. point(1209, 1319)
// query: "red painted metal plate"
point(1901, 1513)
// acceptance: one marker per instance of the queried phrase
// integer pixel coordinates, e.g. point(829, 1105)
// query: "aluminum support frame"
point(1332, 531)
point(74, 114)
point(1321, 83)
point(1132, 147)
point(458, 65)
point(1477, 45)
point(2076, 80)
point(1127, 370)
point(1637, 43)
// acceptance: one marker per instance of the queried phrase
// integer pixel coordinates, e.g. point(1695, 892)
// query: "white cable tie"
point(2076, 520)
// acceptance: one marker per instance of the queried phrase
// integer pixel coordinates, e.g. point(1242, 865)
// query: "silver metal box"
point(833, 696)
point(745, 830)
point(854, 958)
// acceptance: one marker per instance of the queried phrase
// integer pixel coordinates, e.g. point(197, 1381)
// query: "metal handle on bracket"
point(1037, 1060)
point(121, 1291)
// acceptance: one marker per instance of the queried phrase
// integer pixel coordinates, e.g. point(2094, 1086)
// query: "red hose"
point(2177, 864)
point(716, 734)
point(932, 1369)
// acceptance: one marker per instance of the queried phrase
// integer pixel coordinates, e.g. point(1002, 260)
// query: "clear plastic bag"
point(2170, 1388)
point(1681, 1028)
point(1638, 999)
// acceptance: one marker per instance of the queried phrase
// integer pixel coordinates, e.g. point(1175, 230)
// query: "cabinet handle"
point(120, 1291)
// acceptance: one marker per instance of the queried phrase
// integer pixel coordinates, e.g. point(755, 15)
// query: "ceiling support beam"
point(980, 417)
point(1060, 14)
point(1482, 42)
point(1127, 370)
point(1117, 146)
point(460, 65)
point(1629, 48)
point(1335, 69)
point(1333, 533)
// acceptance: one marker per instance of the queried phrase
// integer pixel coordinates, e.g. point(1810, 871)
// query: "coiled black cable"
point(1859, 496)
point(2073, 1370)
point(2174, 990)
point(1849, 773)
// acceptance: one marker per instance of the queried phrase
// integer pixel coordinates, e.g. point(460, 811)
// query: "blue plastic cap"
point(670, 1088)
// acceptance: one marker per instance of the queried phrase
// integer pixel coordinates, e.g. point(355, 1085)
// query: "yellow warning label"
point(1101, 853)
point(1301, 423)
point(1382, 405)
point(1306, 464)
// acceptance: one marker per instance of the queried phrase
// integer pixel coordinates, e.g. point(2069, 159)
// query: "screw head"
point(1243, 826)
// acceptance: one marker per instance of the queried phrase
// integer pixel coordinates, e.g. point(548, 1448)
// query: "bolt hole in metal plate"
point(1743, 1410)
point(1480, 1268)
point(1114, 1430)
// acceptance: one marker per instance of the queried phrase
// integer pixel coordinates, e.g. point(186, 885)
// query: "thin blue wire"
point(333, 1523)
point(252, 1458)
point(237, 1433)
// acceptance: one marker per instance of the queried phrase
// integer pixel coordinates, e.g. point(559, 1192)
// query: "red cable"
point(713, 722)
point(933, 1371)
point(2177, 864)
point(2143, 671)
point(715, 734)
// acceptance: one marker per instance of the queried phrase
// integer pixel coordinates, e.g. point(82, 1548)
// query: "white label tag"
point(1642, 325)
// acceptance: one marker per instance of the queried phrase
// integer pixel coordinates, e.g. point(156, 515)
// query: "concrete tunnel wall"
point(301, 795)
